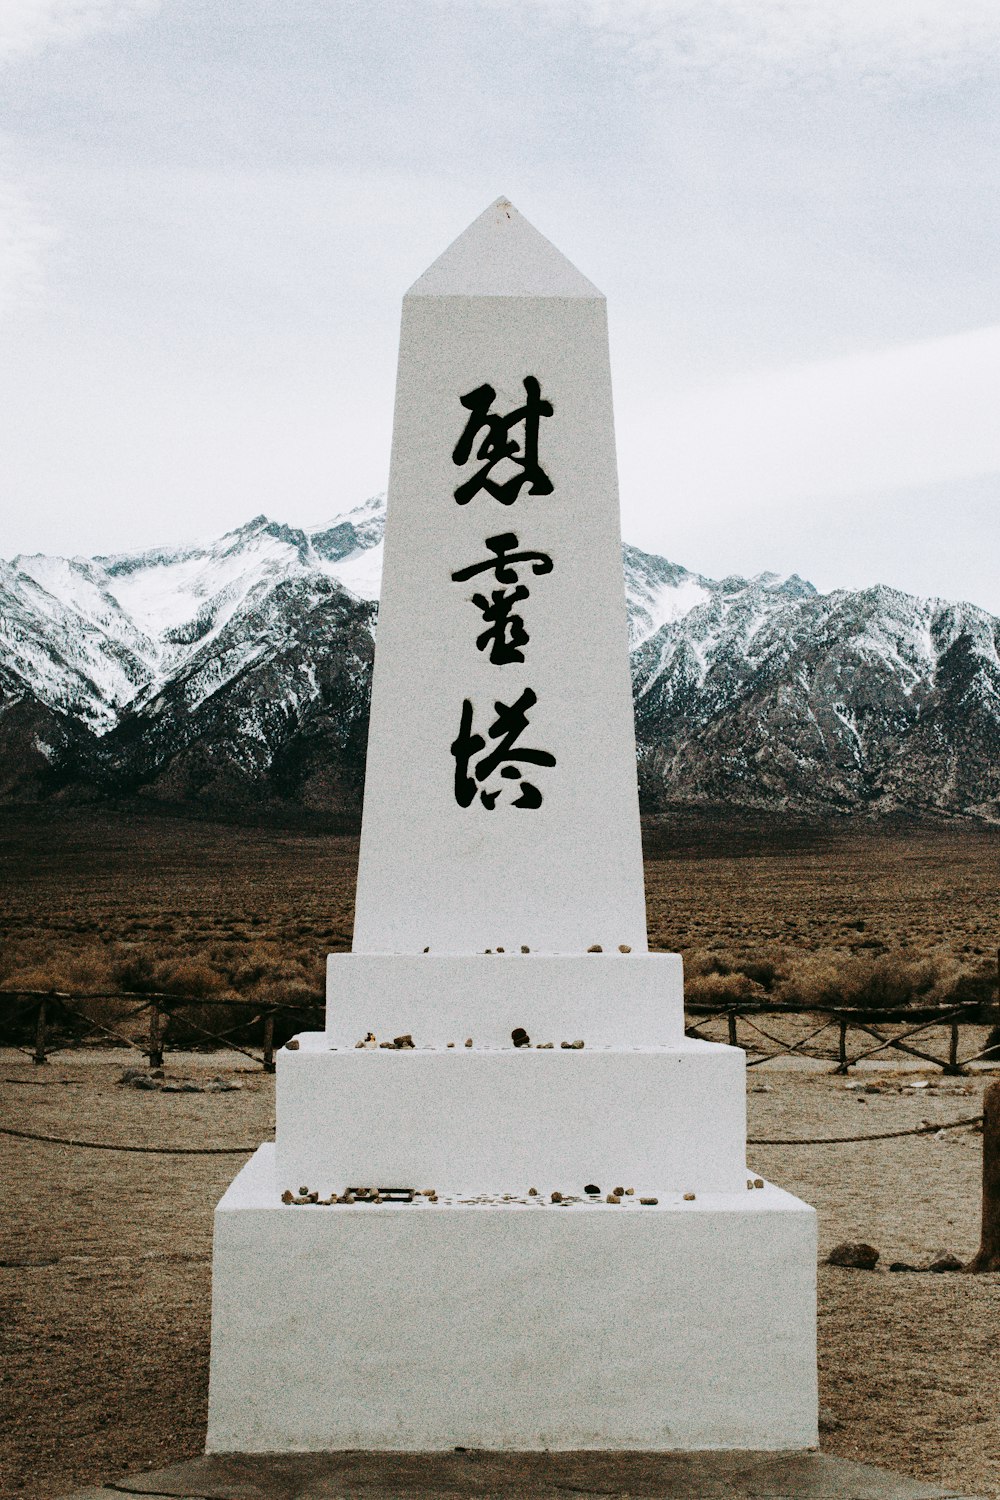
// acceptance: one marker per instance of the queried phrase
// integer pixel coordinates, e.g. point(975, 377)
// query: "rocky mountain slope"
point(236, 673)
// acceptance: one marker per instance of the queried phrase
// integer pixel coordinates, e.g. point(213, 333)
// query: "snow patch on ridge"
point(672, 601)
point(360, 572)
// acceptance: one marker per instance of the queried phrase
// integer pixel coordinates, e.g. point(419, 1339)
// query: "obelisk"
point(500, 801)
point(507, 1205)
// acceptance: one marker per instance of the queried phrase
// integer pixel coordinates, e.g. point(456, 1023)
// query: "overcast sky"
point(209, 211)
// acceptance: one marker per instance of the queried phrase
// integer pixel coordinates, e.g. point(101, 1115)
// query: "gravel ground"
point(105, 1265)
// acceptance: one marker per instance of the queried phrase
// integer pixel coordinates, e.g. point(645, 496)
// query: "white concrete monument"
point(508, 1203)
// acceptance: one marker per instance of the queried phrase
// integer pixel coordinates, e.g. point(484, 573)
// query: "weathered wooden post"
point(155, 1042)
point(269, 1042)
point(732, 1028)
point(842, 1063)
point(987, 1257)
point(38, 1056)
point(992, 1048)
point(953, 1064)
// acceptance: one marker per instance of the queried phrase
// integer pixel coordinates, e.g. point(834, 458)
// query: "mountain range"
point(236, 673)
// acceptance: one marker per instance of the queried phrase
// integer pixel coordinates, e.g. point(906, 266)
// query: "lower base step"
point(421, 1326)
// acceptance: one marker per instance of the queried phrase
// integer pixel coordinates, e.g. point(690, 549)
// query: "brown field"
point(92, 901)
point(104, 1264)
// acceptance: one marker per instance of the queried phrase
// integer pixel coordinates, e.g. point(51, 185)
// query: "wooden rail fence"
point(55, 1020)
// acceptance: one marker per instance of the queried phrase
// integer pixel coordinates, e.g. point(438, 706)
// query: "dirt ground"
point(105, 1257)
point(105, 1265)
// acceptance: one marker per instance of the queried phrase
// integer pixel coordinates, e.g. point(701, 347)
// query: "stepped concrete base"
point(529, 1476)
point(610, 999)
point(689, 1325)
point(492, 1121)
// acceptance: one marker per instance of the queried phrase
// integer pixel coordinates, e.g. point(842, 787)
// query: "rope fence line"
point(821, 1140)
point(850, 1140)
point(65, 1140)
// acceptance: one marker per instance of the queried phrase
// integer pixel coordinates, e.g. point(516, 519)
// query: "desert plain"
point(105, 1256)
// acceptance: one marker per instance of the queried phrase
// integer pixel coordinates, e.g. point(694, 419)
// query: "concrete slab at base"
point(406, 1327)
point(530, 1476)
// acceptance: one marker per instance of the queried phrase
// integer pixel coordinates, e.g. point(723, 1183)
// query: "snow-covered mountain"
point(767, 693)
point(96, 636)
point(238, 671)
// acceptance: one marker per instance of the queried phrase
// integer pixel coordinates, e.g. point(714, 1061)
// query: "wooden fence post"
point(155, 1044)
point(987, 1258)
point(269, 1042)
point(953, 1063)
point(38, 1056)
point(842, 1063)
point(732, 1028)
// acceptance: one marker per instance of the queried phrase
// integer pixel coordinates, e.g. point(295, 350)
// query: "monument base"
point(478, 1121)
point(688, 1325)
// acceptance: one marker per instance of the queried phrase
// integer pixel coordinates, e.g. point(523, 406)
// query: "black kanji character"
point(501, 565)
point(507, 757)
point(499, 444)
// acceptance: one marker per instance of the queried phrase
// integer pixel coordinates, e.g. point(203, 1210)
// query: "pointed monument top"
point(502, 255)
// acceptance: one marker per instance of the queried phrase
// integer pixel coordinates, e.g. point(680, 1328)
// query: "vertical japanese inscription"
point(508, 443)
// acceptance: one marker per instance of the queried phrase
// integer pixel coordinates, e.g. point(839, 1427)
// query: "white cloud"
point(922, 413)
point(25, 238)
point(28, 26)
point(737, 40)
